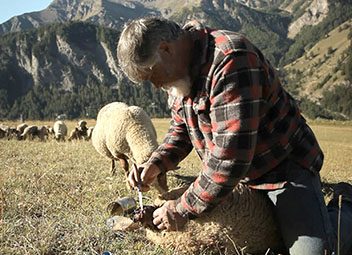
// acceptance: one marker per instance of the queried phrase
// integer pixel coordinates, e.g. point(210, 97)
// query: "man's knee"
point(308, 246)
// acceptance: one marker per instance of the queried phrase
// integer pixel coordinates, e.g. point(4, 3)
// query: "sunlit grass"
point(54, 195)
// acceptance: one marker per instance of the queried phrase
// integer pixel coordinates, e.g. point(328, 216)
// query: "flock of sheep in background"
point(59, 131)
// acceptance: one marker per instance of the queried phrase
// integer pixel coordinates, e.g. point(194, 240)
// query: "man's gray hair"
point(138, 44)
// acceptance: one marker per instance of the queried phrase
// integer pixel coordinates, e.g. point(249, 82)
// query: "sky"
point(10, 8)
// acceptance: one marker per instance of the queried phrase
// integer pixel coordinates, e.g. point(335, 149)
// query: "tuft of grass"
point(53, 196)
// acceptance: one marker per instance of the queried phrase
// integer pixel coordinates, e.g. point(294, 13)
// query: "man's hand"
point(167, 218)
point(144, 175)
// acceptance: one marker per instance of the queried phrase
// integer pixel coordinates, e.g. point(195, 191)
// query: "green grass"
point(54, 195)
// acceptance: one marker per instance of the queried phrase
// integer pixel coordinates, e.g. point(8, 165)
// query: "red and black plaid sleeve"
point(175, 146)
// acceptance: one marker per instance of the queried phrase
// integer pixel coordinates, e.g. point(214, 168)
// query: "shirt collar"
point(200, 37)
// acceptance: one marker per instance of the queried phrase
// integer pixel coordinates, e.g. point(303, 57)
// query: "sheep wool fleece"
point(123, 129)
point(244, 221)
point(60, 128)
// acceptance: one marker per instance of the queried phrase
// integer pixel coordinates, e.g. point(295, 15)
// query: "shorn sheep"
point(243, 222)
point(60, 130)
point(125, 132)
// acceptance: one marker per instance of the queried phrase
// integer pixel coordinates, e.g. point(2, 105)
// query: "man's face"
point(165, 76)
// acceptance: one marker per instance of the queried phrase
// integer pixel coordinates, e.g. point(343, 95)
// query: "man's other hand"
point(167, 218)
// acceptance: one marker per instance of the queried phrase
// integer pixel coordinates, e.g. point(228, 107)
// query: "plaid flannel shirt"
point(238, 118)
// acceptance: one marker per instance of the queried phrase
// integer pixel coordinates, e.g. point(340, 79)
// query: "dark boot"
point(345, 190)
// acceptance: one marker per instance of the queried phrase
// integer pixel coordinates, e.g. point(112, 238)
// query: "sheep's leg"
point(123, 159)
point(124, 164)
point(113, 167)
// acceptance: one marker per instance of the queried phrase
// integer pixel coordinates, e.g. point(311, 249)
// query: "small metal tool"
point(139, 188)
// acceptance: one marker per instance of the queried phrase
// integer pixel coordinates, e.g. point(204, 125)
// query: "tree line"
point(49, 102)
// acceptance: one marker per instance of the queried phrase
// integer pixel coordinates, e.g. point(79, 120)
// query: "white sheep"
point(60, 130)
point(243, 222)
point(125, 132)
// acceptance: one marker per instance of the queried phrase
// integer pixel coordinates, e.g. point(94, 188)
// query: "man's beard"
point(179, 88)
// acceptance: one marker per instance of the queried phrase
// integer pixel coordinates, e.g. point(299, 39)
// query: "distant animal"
point(12, 133)
point(60, 130)
point(82, 127)
point(7, 131)
point(34, 131)
point(79, 132)
point(125, 132)
point(75, 134)
point(51, 131)
point(2, 133)
point(20, 128)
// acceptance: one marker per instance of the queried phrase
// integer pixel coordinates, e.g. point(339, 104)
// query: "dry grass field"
point(54, 195)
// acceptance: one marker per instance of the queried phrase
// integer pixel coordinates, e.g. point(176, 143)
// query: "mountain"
point(323, 75)
point(109, 13)
point(324, 59)
point(62, 59)
point(66, 68)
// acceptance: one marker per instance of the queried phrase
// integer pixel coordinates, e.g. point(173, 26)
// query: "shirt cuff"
point(183, 211)
point(159, 163)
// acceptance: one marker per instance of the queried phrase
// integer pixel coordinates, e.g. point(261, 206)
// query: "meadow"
point(53, 196)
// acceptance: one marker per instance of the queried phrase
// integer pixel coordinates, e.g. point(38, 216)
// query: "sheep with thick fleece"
point(244, 221)
point(60, 130)
point(125, 132)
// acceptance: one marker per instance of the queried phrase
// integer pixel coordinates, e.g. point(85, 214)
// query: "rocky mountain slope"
point(59, 55)
point(113, 13)
point(53, 49)
point(109, 13)
point(319, 69)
